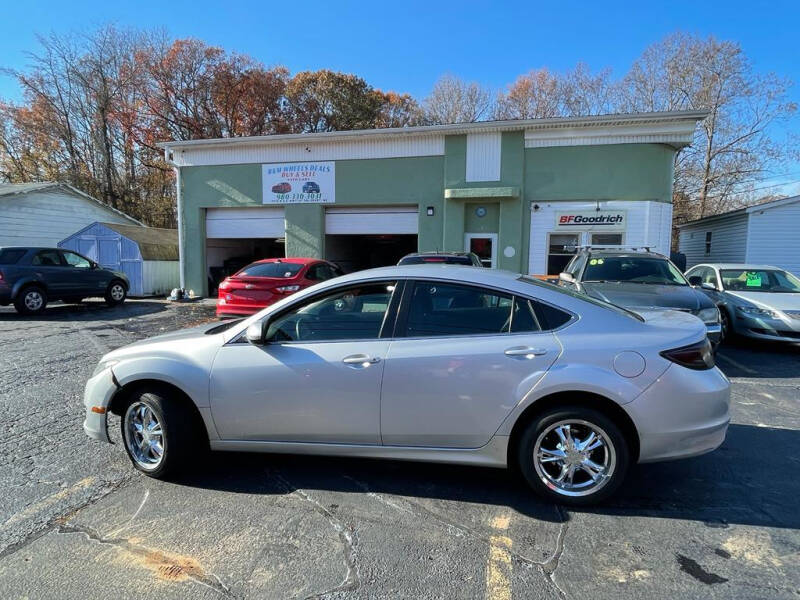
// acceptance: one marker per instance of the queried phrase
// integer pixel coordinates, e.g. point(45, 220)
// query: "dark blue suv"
point(30, 277)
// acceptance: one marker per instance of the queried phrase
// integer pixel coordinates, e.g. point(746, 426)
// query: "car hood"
point(648, 295)
point(201, 332)
point(775, 301)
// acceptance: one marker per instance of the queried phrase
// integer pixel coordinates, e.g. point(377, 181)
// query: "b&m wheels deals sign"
point(299, 183)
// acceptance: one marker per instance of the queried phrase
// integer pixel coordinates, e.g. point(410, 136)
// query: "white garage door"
point(260, 222)
point(371, 220)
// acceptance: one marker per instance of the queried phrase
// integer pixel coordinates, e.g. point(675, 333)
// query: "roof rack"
point(599, 247)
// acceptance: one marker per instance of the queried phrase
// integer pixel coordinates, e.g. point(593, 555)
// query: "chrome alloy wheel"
point(574, 457)
point(117, 292)
point(144, 436)
point(33, 300)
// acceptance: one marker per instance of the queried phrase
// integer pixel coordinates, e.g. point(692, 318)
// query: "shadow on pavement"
point(85, 311)
point(744, 357)
point(747, 481)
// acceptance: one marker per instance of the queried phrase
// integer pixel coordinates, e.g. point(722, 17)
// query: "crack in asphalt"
point(165, 564)
point(550, 566)
point(347, 537)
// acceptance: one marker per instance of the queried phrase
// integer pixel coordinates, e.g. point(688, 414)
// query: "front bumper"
point(97, 395)
point(714, 332)
point(684, 413)
point(778, 330)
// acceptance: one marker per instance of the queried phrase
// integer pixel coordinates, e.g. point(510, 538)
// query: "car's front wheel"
point(32, 300)
point(573, 455)
point(158, 433)
point(116, 293)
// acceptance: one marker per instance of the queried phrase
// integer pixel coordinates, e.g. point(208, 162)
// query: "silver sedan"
point(756, 301)
point(426, 362)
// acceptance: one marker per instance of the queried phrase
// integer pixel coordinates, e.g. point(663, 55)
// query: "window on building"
point(606, 239)
point(561, 247)
point(708, 243)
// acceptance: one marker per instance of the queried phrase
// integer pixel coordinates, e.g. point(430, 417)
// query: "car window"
point(315, 273)
point(759, 280)
point(75, 260)
point(576, 264)
point(531, 316)
point(11, 256)
point(632, 269)
point(355, 313)
point(440, 309)
point(47, 258)
point(271, 269)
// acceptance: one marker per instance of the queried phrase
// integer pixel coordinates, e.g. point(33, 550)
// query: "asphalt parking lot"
point(76, 521)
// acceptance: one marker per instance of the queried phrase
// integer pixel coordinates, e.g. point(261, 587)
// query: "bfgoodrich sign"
point(298, 183)
point(591, 219)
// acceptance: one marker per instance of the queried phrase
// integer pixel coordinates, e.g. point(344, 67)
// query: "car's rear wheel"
point(31, 300)
point(573, 455)
point(158, 433)
point(116, 293)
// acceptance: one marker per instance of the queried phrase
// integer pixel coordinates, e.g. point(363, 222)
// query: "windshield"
point(580, 296)
point(271, 269)
point(632, 269)
point(760, 280)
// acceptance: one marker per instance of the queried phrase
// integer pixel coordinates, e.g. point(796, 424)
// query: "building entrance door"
point(484, 245)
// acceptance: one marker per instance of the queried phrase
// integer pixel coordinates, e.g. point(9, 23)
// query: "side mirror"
point(566, 277)
point(255, 333)
point(708, 286)
point(695, 280)
point(94, 265)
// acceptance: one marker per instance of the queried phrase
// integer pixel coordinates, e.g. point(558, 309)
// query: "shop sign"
point(591, 219)
point(299, 183)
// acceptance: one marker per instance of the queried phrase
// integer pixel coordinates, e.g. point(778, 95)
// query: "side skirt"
point(493, 454)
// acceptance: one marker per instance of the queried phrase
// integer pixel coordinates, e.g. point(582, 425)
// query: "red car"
point(284, 187)
point(266, 281)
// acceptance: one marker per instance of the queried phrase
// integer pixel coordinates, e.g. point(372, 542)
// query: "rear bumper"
point(98, 393)
point(237, 310)
point(684, 413)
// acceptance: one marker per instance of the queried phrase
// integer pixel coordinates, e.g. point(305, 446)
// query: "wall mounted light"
point(430, 211)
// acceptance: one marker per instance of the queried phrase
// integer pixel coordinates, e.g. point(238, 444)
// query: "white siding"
point(483, 156)
point(648, 224)
point(256, 222)
point(728, 240)
point(46, 217)
point(313, 149)
point(371, 220)
point(774, 237)
point(160, 276)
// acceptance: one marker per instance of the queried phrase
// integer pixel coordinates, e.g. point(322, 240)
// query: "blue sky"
point(405, 46)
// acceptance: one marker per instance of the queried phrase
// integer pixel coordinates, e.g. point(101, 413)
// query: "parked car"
point(284, 187)
point(448, 258)
point(32, 277)
point(264, 282)
point(436, 363)
point(638, 279)
point(756, 301)
point(311, 187)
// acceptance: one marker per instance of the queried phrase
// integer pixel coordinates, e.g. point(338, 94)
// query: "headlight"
point(102, 366)
point(754, 311)
point(709, 315)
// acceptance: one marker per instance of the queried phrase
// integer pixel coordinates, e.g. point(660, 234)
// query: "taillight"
point(697, 356)
point(1, 276)
point(287, 289)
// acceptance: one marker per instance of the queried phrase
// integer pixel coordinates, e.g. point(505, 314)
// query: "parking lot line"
point(498, 568)
point(736, 364)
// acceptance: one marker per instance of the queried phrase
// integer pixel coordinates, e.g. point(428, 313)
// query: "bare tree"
point(456, 101)
point(534, 95)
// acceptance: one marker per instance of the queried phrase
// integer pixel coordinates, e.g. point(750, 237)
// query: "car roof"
point(293, 259)
point(742, 266)
point(27, 248)
point(456, 273)
point(435, 253)
point(625, 253)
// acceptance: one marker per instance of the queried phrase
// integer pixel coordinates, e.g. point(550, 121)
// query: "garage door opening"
point(226, 256)
point(358, 252)
point(235, 237)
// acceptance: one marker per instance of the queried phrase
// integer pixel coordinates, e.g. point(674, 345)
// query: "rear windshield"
point(579, 296)
point(272, 269)
point(446, 260)
point(11, 256)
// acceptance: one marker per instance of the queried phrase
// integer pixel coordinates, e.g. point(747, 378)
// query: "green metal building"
point(516, 192)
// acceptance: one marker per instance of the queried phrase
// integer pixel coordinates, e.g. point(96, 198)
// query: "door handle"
point(360, 359)
point(525, 351)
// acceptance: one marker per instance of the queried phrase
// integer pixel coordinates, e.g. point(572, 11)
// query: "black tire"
point(116, 292)
point(615, 451)
point(728, 334)
point(180, 438)
point(31, 300)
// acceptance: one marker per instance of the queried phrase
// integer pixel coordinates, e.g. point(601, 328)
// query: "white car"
point(426, 362)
